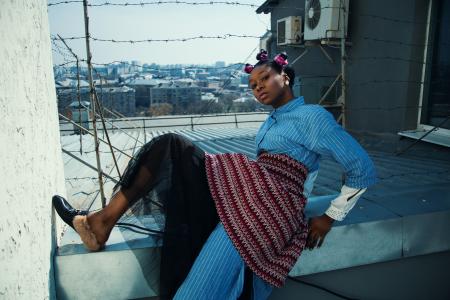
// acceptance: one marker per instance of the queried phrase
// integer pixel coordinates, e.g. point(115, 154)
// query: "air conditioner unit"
point(325, 19)
point(289, 30)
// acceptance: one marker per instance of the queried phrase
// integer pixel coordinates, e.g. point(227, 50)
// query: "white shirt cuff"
point(342, 204)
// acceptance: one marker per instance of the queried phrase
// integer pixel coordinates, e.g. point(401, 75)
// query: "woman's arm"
point(332, 141)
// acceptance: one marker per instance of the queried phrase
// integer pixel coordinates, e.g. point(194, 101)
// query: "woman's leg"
point(261, 289)
point(103, 221)
point(190, 214)
point(218, 272)
point(187, 160)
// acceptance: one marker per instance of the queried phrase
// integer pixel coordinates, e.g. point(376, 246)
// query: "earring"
point(288, 78)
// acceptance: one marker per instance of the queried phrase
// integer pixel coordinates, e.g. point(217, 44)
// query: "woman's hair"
point(279, 64)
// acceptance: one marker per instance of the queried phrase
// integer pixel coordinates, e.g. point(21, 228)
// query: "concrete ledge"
point(373, 232)
point(127, 268)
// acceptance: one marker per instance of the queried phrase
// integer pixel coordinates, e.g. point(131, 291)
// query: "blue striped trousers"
point(218, 272)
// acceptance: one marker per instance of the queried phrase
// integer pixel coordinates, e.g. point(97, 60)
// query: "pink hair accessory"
point(281, 59)
point(262, 55)
point(248, 68)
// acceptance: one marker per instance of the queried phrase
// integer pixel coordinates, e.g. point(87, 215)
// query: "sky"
point(164, 21)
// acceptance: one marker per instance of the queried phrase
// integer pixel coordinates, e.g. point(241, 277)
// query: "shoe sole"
point(89, 239)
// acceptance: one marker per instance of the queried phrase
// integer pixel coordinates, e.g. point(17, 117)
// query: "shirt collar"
point(289, 105)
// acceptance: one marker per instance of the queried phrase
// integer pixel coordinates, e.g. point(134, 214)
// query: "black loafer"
point(66, 211)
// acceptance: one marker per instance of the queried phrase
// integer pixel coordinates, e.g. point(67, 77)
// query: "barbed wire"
point(160, 68)
point(229, 35)
point(116, 62)
point(101, 151)
point(194, 3)
point(146, 3)
point(210, 102)
point(65, 63)
point(349, 58)
point(243, 4)
point(186, 39)
point(62, 51)
point(350, 84)
point(86, 177)
point(56, 50)
point(378, 108)
point(226, 36)
point(305, 77)
point(236, 3)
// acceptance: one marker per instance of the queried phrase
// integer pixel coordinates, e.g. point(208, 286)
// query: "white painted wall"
point(31, 169)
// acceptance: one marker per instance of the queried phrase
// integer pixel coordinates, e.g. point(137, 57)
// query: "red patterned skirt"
point(261, 206)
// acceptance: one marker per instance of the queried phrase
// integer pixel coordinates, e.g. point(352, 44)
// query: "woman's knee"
point(179, 147)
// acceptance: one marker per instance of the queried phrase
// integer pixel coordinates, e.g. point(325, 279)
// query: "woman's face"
point(267, 85)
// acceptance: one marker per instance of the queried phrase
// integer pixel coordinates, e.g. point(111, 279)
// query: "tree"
point(161, 109)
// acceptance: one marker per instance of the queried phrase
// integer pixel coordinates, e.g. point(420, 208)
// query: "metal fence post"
point(145, 133)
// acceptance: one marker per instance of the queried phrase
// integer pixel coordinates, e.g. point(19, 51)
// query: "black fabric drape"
point(190, 213)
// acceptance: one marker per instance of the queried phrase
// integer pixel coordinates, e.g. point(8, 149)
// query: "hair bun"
point(281, 59)
point(248, 68)
point(262, 55)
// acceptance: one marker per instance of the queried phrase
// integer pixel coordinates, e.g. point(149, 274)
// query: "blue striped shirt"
point(307, 133)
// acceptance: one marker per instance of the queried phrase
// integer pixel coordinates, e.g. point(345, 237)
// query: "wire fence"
point(194, 122)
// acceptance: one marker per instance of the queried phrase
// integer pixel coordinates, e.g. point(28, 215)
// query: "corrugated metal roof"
point(406, 214)
point(398, 174)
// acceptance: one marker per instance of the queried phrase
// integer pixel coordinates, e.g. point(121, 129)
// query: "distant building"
point(220, 64)
point(119, 99)
point(175, 93)
point(68, 83)
point(245, 99)
point(142, 87)
point(244, 79)
point(244, 88)
point(202, 75)
point(115, 70)
point(136, 66)
point(177, 72)
point(209, 97)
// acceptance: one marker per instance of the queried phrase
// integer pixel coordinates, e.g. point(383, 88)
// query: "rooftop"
point(267, 6)
point(392, 220)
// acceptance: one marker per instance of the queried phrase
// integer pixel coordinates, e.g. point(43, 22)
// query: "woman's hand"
point(318, 229)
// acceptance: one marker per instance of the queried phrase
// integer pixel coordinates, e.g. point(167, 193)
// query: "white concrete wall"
point(31, 169)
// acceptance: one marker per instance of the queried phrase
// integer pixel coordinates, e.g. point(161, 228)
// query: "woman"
point(238, 216)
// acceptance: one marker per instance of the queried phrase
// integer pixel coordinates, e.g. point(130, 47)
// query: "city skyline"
point(180, 21)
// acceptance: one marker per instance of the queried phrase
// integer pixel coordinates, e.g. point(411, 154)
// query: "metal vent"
point(313, 9)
